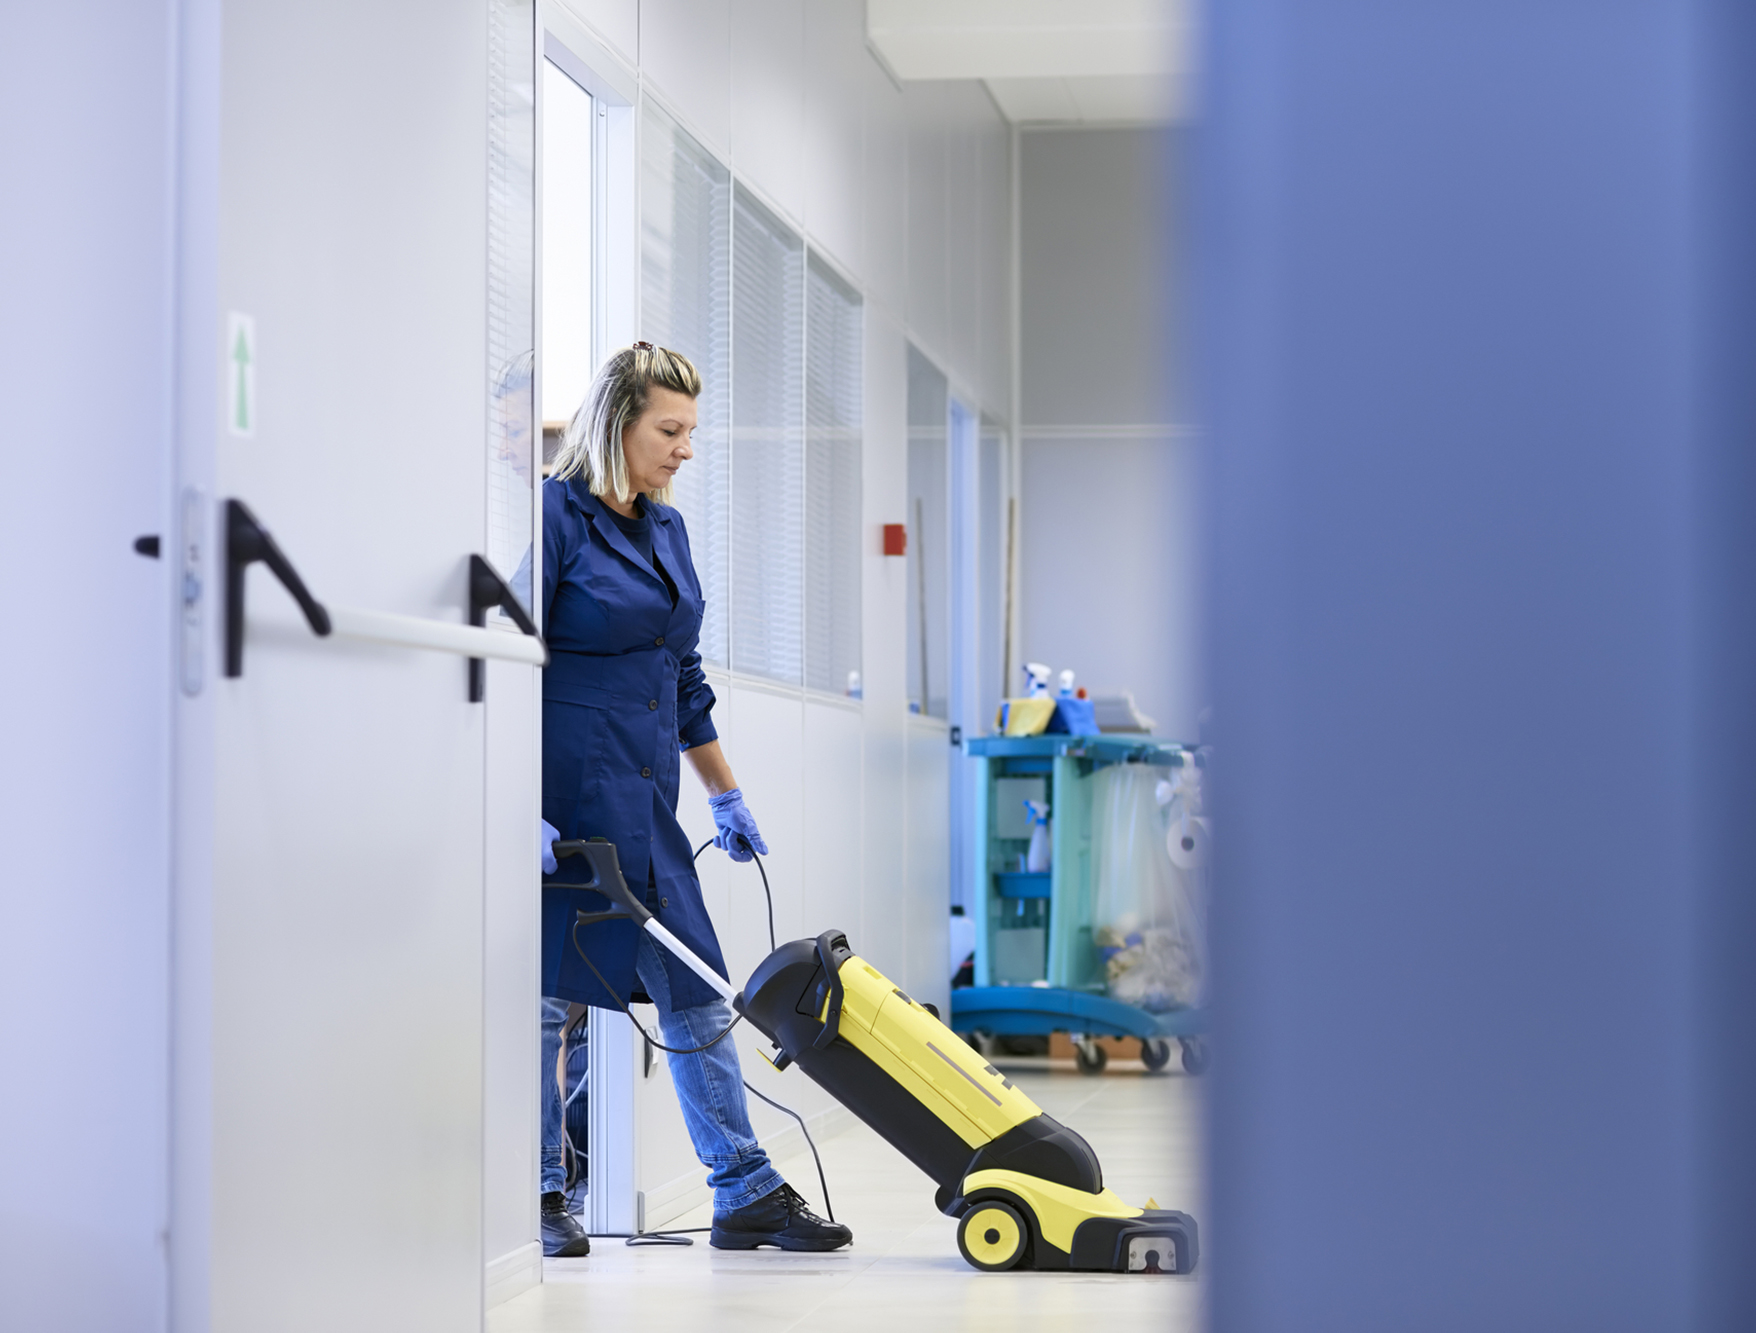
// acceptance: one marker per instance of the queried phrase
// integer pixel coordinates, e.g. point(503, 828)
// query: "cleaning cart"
point(1040, 961)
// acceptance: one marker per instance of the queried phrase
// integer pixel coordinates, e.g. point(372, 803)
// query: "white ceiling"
point(1090, 62)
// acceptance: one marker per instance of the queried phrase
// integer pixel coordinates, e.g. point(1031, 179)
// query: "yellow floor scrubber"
point(1027, 1191)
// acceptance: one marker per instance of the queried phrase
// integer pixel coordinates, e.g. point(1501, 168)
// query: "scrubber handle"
point(827, 945)
point(606, 878)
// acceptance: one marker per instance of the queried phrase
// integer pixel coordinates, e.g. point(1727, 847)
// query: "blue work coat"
point(623, 696)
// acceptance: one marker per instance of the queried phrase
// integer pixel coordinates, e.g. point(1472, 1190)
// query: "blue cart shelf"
point(1037, 970)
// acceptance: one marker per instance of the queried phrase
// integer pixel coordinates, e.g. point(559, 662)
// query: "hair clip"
point(644, 347)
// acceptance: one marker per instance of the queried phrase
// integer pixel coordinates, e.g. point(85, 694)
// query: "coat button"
point(651, 704)
point(664, 902)
point(659, 642)
point(646, 772)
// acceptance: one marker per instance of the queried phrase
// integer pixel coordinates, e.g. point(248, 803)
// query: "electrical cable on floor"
point(680, 1235)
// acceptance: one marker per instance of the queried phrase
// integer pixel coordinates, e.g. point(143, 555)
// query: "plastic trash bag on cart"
point(1148, 915)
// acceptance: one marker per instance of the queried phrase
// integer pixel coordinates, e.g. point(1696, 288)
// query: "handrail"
point(247, 541)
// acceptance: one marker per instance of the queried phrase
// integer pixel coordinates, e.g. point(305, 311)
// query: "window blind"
point(768, 411)
point(685, 275)
point(833, 411)
point(568, 131)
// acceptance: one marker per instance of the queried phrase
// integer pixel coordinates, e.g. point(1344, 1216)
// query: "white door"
point(336, 840)
point(89, 169)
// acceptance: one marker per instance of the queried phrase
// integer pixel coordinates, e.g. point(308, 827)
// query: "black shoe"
point(563, 1237)
point(780, 1218)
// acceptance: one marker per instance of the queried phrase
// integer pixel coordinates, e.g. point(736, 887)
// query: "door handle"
point(488, 590)
point(247, 541)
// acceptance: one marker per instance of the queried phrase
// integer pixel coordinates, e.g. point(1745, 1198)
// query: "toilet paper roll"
point(1188, 841)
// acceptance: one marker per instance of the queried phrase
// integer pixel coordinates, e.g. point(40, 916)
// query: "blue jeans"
point(553, 1163)
point(710, 1088)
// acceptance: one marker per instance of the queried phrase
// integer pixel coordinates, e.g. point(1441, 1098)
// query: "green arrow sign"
point(241, 381)
point(241, 355)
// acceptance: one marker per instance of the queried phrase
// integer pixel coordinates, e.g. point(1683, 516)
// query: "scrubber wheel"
point(992, 1236)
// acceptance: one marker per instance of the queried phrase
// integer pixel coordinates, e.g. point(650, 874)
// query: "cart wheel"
point(1090, 1057)
point(992, 1236)
point(1155, 1054)
point(1194, 1055)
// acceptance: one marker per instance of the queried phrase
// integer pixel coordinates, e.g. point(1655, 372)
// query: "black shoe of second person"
point(563, 1237)
point(780, 1218)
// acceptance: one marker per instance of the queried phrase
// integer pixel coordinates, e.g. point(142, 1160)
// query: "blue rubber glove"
point(547, 837)
point(737, 826)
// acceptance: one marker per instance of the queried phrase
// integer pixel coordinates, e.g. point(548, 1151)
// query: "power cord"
point(822, 1179)
point(766, 891)
point(680, 1236)
point(670, 1050)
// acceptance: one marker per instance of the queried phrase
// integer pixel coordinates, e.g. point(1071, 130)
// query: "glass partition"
point(685, 278)
point(511, 367)
point(768, 443)
point(568, 355)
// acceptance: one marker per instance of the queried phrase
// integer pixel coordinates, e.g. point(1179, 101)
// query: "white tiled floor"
point(903, 1271)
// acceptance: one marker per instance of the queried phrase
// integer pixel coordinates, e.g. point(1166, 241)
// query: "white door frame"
point(613, 1199)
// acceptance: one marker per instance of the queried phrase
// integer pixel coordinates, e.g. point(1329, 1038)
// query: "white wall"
point(86, 345)
point(908, 191)
point(959, 249)
point(1108, 465)
point(1109, 553)
point(1098, 329)
point(511, 966)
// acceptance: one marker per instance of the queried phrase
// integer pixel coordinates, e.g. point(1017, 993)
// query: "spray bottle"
point(1036, 678)
point(1037, 859)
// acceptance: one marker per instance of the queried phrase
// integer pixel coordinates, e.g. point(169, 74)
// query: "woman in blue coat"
point(624, 699)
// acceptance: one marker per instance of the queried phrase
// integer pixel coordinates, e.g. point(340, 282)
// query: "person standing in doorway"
point(623, 697)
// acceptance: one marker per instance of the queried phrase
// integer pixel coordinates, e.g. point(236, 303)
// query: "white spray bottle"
point(1037, 859)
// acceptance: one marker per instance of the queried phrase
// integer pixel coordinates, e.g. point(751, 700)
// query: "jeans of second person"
point(553, 1163)
point(710, 1087)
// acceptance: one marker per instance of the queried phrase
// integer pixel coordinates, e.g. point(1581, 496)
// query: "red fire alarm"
point(896, 539)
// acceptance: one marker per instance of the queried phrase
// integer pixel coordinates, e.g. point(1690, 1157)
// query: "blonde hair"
point(592, 444)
